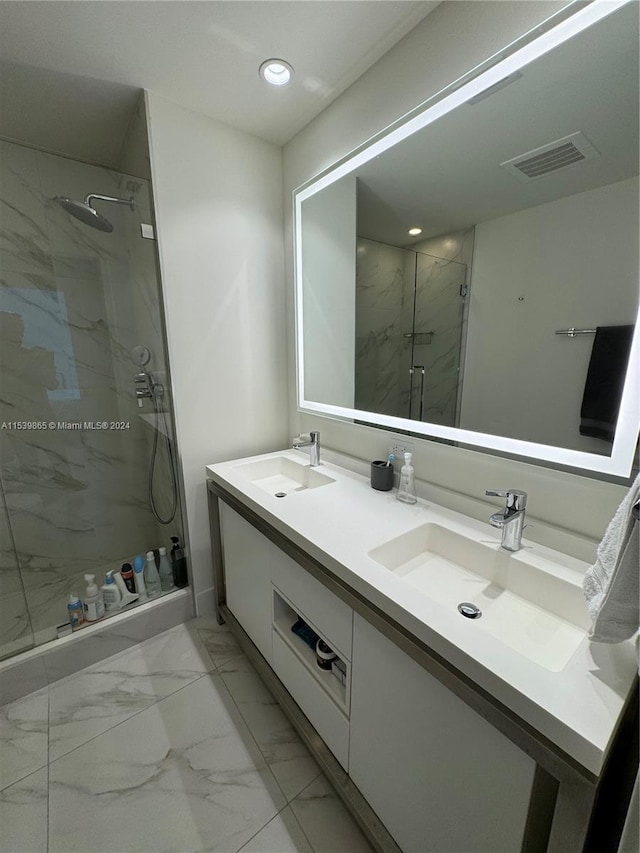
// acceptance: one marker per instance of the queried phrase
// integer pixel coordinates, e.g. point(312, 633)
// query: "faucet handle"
point(516, 499)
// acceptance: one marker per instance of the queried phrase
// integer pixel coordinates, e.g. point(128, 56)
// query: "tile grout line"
point(260, 750)
point(141, 710)
point(135, 714)
point(287, 801)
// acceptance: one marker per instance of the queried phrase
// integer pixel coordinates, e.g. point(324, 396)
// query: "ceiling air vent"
point(560, 154)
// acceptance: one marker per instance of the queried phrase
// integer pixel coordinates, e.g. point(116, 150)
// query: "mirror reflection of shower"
point(83, 210)
point(148, 388)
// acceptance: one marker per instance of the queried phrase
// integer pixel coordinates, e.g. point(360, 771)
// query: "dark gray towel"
point(605, 381)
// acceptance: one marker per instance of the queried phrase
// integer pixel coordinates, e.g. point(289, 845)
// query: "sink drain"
point(469, 610)
point(280, 495)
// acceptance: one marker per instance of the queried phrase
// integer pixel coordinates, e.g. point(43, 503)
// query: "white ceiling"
point(201, 54)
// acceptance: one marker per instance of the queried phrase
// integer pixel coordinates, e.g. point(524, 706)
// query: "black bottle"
point(179, 564)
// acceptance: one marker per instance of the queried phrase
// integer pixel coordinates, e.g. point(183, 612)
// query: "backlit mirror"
point(509, 321)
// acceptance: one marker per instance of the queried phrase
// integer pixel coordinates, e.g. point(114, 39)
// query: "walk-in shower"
point(83, 210)
point(147, 387)
point(87, 475)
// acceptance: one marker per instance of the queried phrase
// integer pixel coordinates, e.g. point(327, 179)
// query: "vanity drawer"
point(325, 716)
point(329, 614)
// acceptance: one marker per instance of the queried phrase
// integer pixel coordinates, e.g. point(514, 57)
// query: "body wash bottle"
point(151, 576)
point(407, 487)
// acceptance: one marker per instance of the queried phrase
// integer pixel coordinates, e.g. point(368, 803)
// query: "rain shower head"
point(83, 211)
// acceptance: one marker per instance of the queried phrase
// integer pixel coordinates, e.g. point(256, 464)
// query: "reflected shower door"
point(437, 340)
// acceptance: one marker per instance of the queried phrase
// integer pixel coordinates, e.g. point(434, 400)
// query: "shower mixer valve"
point(146, 387)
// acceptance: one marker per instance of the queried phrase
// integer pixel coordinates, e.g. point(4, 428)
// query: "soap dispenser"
point(111, 595)
point(407, 487)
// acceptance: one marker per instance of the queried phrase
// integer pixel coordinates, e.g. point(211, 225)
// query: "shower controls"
point(144, 387)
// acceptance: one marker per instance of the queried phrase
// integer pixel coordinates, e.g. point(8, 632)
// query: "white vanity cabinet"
point(247, 560)
point(268, 592)
point(439, 776)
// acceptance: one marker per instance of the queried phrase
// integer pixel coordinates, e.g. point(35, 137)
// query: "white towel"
point(612, 585)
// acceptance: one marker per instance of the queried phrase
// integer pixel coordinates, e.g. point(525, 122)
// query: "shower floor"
point(173, 745)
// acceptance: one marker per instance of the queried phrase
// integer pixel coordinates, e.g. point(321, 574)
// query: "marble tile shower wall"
point(400, 292)
point(384, 311)
point(76, 499)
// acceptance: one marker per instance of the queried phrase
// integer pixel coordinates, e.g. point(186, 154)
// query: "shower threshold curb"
point(43, 665)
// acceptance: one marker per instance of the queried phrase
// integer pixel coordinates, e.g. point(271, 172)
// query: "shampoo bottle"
point(179, 563)
point(138, 576)
point(111, 595)
point(407, 487)
point(151, 576)
point(165, 572)
point(93, 603)
point(76, 612)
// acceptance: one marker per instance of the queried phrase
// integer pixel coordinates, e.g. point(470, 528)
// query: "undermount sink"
point(535, 611)
point(281, 476)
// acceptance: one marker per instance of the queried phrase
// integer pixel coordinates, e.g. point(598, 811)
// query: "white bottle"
point(93, 603)
point(151, 576)
point(111, 595)
point(165, 571)
point(138, 576)
point(407, 487)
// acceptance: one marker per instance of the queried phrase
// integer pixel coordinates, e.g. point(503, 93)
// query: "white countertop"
point(577, 708)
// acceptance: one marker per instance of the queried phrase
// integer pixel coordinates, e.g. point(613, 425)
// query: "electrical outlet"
point(398, 448)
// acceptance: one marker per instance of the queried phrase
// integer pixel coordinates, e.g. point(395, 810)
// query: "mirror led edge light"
point(620, 461)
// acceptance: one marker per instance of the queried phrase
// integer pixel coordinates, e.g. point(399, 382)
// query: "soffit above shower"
point(205, 55)
point(65, 114)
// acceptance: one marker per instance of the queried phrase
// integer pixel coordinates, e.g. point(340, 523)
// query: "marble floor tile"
point(284, 752)
point(23, 815)
point(282, 834)
point(220, 643)
point(24, 737)
point(326, 822)
point(101, 696)
point(183, 775)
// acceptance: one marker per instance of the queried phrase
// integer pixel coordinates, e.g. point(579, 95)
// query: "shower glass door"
point(410, 311)
point(16, 633)
point(78, 448)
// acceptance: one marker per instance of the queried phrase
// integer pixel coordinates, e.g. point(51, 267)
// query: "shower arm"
point(128, 201)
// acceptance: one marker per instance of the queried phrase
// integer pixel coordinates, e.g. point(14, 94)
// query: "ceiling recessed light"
point(277, 72)
point(415, 231)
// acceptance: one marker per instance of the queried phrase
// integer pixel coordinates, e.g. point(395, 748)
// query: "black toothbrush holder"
point(382, 476)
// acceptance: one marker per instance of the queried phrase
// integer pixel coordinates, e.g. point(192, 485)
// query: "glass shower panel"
point(437, 339)
point(16, 634)
point(74, 304)
point(384, 313)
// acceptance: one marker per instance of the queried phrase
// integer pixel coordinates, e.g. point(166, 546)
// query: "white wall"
point(329, 299)
point(454, 38)
point(535, 271)
point(218, 198)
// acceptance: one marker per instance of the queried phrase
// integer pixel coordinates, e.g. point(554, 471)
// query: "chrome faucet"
point(312, 441)
point(511, 520)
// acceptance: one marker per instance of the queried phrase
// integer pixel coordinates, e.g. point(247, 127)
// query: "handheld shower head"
point(83, 211)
